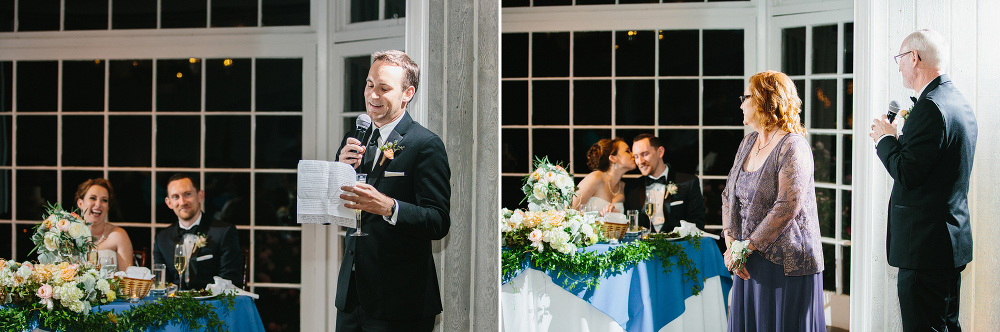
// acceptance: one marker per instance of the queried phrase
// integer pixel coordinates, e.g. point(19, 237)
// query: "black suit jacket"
point(931, 163)
point(394, 269)
point(691, 207)
point(223, 244)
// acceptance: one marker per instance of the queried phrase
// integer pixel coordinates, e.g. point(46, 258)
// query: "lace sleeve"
point(795, 172)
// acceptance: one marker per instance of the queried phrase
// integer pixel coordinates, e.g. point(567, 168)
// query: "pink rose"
point(74, 266)
point(44, 292)
point(535, 236)
point(63, 225)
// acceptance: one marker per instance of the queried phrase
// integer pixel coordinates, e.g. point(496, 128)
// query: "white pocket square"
point(676, 203)
point(393, 174)
point(203, 258)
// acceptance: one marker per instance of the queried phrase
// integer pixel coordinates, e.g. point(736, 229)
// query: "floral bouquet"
point(62, 236)
point(559, 230)
point(61, 286)
point(548, 187)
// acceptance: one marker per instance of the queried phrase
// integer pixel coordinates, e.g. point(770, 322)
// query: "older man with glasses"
point(929, 228)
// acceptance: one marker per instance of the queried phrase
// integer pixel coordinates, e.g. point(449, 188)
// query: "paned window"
point(56, 15)
point(564, 91)
point(819, 59)
point(233, 124)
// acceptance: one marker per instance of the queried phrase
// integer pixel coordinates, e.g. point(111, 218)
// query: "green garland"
point(588, 268)
point(151, 315)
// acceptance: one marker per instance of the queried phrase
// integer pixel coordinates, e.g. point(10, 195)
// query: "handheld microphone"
point(893, 110)
point(361, 126)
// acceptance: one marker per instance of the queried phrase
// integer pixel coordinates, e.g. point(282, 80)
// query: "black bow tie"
point(914, 99)
point(650, 181)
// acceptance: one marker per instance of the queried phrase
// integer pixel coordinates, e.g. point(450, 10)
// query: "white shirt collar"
point(666, 169)
point(384, 131)
point(196, 222)
point(921, 92)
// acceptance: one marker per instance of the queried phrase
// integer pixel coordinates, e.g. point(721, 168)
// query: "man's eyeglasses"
point(901, 55)
point(744, 98)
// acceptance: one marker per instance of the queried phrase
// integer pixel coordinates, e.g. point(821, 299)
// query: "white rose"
point(587, 230)
point(51, 241)
point(538, 191)
point(76, 230)
point(517, 218)
point(737, 246)
point(564, 182)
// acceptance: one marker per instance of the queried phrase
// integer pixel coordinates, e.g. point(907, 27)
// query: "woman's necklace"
point(104, 232)
point(765, 145)
point(613, 193)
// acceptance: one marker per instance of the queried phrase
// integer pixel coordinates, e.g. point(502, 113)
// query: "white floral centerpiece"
point(548, 224)
point(62, 236)
point(59, 286)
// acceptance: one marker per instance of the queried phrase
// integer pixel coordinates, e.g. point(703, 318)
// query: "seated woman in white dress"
point(602, 189)
point(93, 197)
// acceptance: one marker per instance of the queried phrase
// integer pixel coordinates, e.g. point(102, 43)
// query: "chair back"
point(246, 269)
point(139, 258)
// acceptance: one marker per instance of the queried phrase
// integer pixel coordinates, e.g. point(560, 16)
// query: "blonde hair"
point(775, 102)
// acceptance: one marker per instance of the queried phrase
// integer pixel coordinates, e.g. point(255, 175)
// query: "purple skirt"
point(772, 301)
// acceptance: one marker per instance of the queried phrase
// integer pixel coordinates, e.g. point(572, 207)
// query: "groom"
point(387, 280)
point(677, 196)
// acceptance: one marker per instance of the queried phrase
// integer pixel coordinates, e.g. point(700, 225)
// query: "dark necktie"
point(367, 162)
point(914, 99)
point(650, 181)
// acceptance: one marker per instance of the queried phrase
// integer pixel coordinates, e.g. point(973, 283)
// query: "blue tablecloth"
point(243, 317)
point(644, 298)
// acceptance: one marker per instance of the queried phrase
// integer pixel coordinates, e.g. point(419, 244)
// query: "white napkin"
point(687, 228)
point(138, 272)
point(615, 218)
point(225, 286)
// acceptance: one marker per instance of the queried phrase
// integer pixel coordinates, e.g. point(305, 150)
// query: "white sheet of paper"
point(318, 193)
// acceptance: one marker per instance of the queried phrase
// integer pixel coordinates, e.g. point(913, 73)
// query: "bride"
point(93, 197)
point(602, 189)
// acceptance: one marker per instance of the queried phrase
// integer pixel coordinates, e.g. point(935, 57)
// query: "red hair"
point(775, 102)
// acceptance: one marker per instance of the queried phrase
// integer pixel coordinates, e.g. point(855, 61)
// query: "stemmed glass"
point(650, 209)
point(362, 178)
point(180, 263)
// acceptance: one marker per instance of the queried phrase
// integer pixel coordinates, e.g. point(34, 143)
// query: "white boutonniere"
point(389, 150)
point(671, 188)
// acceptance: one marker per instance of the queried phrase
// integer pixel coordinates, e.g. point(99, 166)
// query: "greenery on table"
point(150, 315)
point(588, 268)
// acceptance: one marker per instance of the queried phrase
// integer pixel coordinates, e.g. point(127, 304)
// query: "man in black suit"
point(221, 255)
point(677, 195)
point(929, 233)
point(387, 280)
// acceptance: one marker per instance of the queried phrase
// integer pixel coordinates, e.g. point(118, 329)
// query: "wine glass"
point(108, 265)
point(362, 178)
point(649, 207)
point(180, 263)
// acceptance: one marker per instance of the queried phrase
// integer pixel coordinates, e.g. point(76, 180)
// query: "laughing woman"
point(93, 197)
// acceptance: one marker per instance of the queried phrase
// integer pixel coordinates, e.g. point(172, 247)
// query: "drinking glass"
point(633, 220)
point(362, 178)
point(179, 262)
point(159, 276)
point(108, 265)
point(92, 258)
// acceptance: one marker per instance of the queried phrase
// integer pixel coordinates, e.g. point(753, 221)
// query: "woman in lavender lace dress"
point(770, 200)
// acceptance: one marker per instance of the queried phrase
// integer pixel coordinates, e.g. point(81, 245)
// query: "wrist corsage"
point(739, 250)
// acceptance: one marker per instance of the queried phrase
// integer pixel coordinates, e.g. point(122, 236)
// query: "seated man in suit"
point(221, 254)
point(677, 196)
